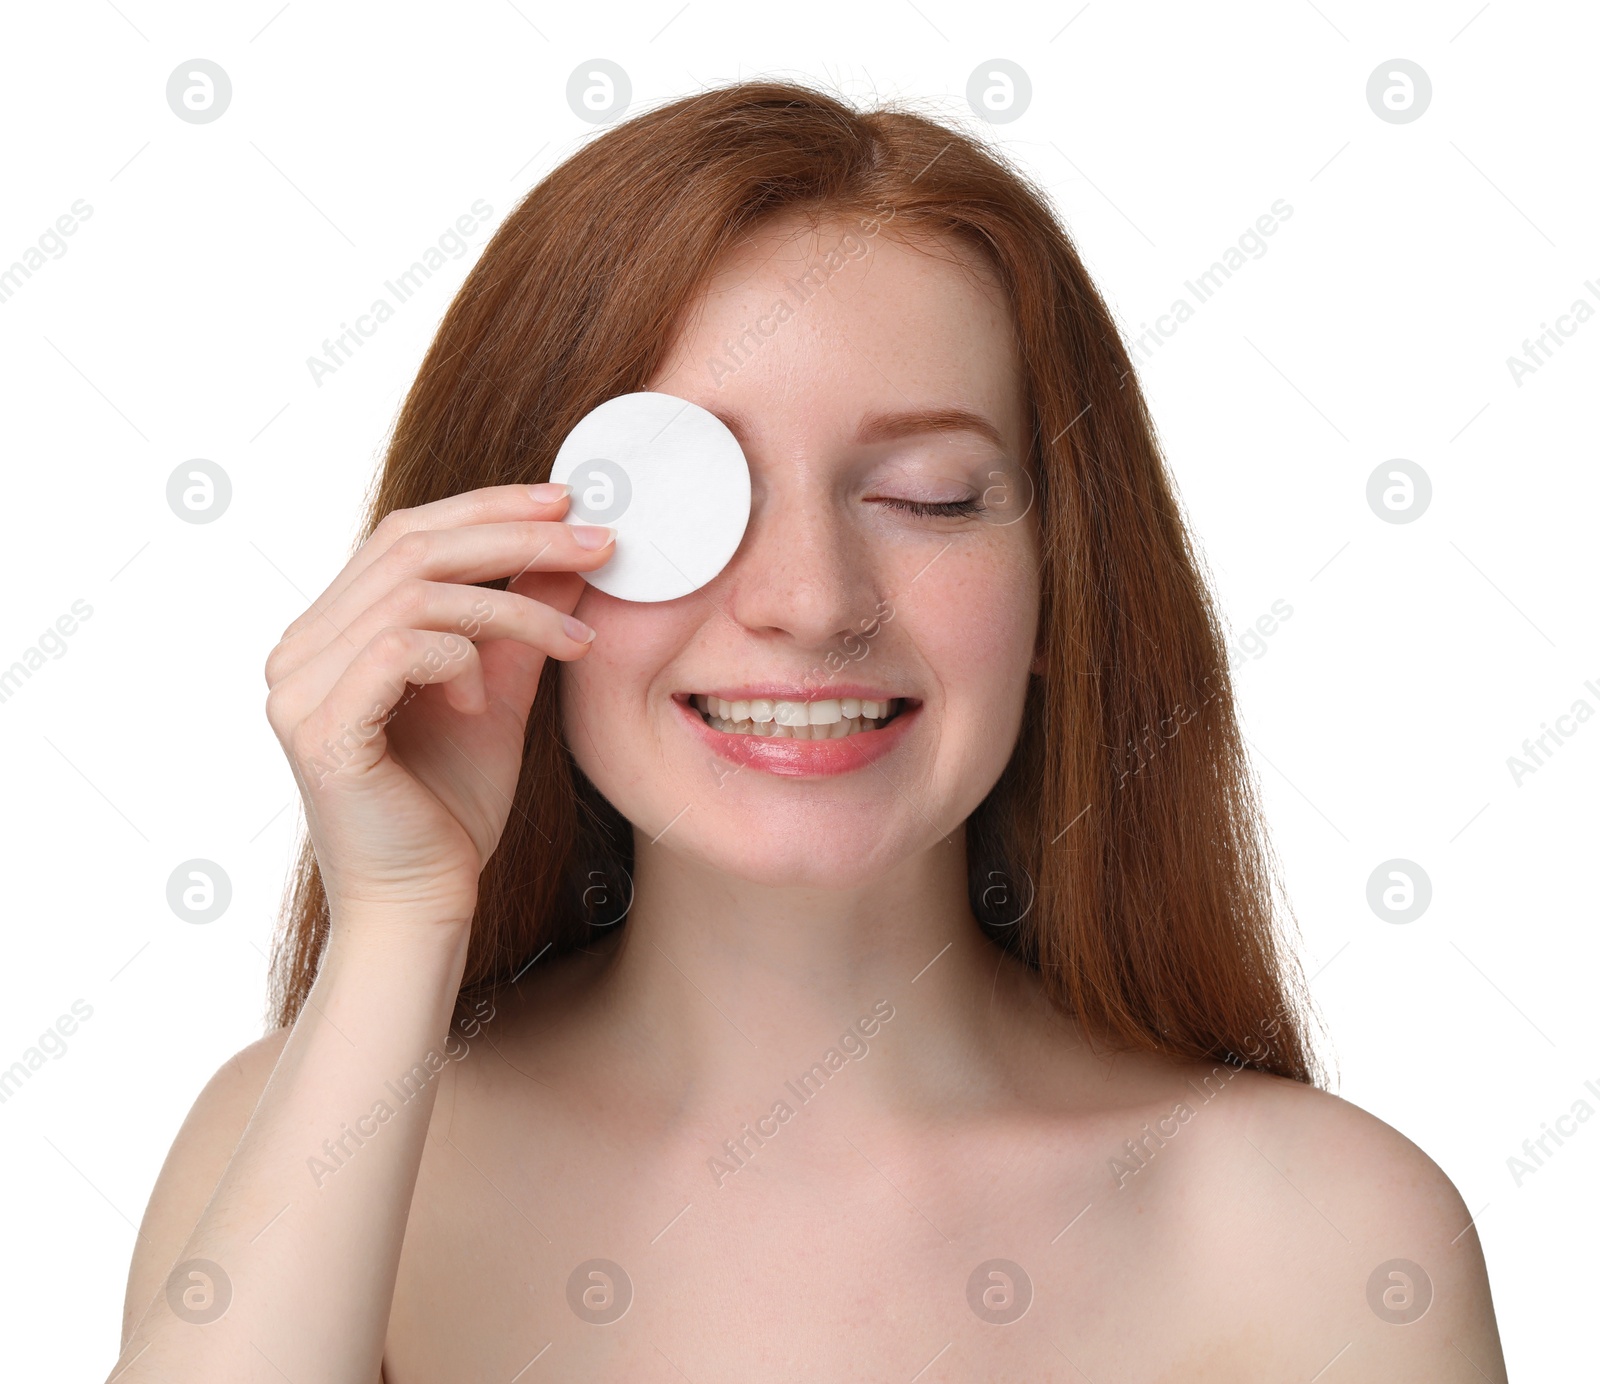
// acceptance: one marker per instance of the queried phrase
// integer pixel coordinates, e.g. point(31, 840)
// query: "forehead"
point(818, 322)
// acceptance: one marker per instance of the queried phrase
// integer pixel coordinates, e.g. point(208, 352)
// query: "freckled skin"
point(894, 329)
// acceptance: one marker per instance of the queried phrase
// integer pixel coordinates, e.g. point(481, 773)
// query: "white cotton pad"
point(672, 481)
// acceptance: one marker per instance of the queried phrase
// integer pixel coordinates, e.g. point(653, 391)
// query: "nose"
point(801, 578)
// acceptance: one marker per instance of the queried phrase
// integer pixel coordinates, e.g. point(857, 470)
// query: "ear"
point(1037, 666)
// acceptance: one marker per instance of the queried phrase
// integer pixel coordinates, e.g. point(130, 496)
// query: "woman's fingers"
point(477, 552)
point(475, 612)
point(344, 731)
point(403, 613)
point(488, 504)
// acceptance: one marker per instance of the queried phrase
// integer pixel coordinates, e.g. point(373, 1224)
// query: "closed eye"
point(948, 509)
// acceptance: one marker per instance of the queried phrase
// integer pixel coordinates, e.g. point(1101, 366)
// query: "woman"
point(957, 1045)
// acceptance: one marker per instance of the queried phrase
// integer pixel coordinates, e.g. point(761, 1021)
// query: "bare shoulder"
point(1351, 1152)
point(194, 1164)
point(1356, 1235)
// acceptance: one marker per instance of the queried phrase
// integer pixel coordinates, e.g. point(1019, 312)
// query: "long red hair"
point(1122, 852)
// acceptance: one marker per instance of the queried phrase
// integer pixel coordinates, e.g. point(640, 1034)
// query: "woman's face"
point(842, 599)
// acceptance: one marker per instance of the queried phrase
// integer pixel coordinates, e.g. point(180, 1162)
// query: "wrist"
point(378, 942)
point(402, 921)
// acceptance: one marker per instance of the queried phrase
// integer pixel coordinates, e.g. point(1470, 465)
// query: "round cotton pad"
point(672, 481)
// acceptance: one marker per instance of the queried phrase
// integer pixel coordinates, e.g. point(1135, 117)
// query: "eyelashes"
point(944, 509)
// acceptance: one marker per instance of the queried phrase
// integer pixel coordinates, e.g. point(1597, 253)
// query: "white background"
point(1418, 657)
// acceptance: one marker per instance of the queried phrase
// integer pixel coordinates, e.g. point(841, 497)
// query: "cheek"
point(610, 687)
point(976, 618)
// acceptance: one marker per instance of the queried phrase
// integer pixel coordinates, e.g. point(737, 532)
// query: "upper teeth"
point(823, 713)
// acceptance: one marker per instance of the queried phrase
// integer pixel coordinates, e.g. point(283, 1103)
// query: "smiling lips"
point(797, 736)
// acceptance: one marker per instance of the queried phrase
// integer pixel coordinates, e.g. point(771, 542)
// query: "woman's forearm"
point(307, 1221)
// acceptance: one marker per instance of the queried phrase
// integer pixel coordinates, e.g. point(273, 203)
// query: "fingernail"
point(591, 535)
point(576, 629)
point(547, 492)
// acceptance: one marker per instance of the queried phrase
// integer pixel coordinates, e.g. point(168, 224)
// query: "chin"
point(774, 860)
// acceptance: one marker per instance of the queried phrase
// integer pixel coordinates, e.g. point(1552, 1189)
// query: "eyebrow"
point(886, 427)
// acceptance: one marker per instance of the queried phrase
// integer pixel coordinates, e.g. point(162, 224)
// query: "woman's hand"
point(401, 697)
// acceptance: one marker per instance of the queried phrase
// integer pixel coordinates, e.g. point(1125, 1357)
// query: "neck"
point(721, 985)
